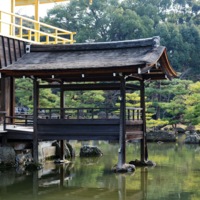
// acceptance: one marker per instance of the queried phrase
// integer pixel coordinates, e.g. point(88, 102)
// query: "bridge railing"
point(78, 113)
point(19, 119)
point(25, 119)
point(33, 31)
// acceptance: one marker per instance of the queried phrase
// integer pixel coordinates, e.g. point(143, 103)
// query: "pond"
point(176, 176)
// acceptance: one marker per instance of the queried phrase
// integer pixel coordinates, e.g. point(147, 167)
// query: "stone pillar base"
point(124, 169)
point(142, 163)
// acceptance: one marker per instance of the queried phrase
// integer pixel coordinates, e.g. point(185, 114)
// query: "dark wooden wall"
point(10, 51)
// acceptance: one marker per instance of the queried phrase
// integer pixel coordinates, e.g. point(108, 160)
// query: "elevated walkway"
point(32, 31)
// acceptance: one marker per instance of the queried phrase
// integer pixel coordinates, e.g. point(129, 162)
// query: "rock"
point(125, 168)
point(180, 130)
point(192, 139)
point(161, 136)
point(68, 151)
point(24, 158)
point(7, 156)
point(90, 151)
point(141, 163)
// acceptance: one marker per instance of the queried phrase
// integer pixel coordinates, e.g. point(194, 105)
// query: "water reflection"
point(59, 183)
point(176, 176)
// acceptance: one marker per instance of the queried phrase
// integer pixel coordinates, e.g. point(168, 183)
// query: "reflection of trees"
point(173, 171)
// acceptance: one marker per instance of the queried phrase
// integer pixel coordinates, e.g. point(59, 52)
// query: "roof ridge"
point(152, 42)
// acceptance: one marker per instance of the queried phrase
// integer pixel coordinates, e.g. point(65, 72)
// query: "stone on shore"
point(7, 156)
point(162, 136)
point(192, 139)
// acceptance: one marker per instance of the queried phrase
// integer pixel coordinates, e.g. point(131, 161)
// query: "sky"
point(29, 10)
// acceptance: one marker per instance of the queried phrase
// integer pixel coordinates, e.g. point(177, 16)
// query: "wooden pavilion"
point(89, 66)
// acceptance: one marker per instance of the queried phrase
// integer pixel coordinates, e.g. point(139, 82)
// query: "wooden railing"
point(78, 113)
point(32, 31)
point(134, 113)
point(71, 113)
point(89, 113)
point(20, 119)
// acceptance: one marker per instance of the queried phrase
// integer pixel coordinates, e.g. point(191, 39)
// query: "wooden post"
point(35, 115)
point(12, 99)
point(62, 116)
point(144, 153)
point(122, 132)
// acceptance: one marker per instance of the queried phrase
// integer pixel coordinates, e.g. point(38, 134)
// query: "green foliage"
point(24, 95)
point(152, 123)
point(192, 102)
point(176, 22)
point(84, 99)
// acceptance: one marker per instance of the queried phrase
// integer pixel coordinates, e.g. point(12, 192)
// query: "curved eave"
point(165, 62)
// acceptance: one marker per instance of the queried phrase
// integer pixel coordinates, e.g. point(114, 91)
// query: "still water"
point(176, 176)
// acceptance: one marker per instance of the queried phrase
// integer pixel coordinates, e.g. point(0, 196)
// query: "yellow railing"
point(32, 31)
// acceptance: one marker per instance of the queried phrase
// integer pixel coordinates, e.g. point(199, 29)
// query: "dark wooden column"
point(122, 132)
point(144, 153)
point(12, 98)
point(35, 116)
point(62, 116)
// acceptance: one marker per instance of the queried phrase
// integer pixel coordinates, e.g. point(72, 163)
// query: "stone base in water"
point(124, 169)
point(61, 161)
point(142, 163)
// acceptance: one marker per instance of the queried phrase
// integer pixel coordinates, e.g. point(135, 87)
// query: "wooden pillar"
point(122, 132)
point(12, 98)
point(62, 116)
point(35, 115)
point(144, 153)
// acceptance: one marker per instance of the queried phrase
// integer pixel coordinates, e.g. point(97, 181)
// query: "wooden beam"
point(145, 69)
point(62, 115)
point(97, 86)
point(91, 86)
point(122, 130)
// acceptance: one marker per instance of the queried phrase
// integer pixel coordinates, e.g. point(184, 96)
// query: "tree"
point(24, 95)
point(176, 22)
point(192, 101)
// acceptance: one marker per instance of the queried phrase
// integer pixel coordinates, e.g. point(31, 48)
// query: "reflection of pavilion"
point(58, 184)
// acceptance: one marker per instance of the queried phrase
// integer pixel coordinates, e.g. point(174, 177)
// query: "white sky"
point(29, 10)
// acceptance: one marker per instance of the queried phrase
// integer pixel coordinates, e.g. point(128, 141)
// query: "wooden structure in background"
point(95, 66)
point(10, 51)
